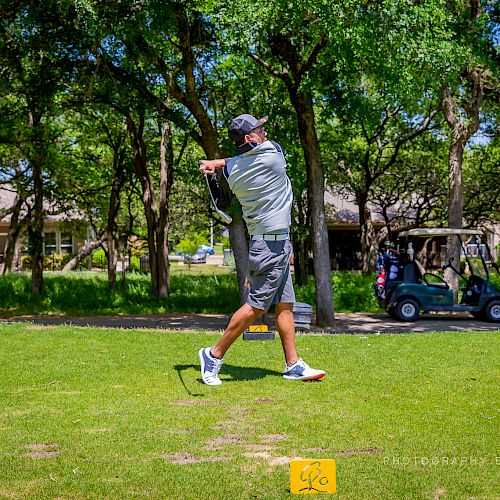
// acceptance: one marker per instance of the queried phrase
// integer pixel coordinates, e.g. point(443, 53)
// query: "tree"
point(291, 55)
point(173, 50)
point(462, 100)
point(373, 130)
point(38, 50)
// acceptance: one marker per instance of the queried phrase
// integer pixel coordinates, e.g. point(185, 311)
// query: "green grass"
point(201, 289)
point(404, 416)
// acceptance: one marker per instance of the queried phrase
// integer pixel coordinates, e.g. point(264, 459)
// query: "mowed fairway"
point(92, 413)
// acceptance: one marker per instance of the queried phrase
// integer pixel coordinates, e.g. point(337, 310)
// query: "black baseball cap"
point(243, 125)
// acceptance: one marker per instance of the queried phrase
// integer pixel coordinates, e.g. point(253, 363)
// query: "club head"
point(226, 218)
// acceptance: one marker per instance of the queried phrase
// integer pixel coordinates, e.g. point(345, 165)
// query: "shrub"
point(352, 292)
point(99, 259)
point(190, 245)
point(135, 263)
point(88, 294)
point(52, 262)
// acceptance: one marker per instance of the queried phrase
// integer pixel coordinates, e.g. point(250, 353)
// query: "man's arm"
point(209, 166)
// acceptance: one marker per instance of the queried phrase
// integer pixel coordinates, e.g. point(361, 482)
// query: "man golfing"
point(257, 177)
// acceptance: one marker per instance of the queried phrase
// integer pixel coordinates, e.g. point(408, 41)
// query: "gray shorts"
point(271, 280)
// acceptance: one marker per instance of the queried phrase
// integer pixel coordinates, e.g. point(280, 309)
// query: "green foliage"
point(226, 243)
point(99, 259)
point(135, 263)
point(190, 244)
point(88, 294)
point(352, 292)
point(192, 292)
point(52, 262)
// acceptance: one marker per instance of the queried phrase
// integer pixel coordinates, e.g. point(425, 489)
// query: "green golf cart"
point(404, 288)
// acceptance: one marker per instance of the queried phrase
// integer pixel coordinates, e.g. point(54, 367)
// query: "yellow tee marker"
point(258, 332)
point(313, 476)
point(258, 328)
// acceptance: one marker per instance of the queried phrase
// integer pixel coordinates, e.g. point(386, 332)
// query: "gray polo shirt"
point(259, 181)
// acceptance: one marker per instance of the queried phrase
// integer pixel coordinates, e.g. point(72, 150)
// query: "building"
point(344, 232)
point(63, 233)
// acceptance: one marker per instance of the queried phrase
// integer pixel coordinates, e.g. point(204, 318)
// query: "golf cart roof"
point(445, 231)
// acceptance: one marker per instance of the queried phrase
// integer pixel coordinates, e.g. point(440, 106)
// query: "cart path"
point(345, 322)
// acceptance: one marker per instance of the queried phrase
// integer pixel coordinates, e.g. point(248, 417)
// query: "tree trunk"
point(156, 216)
point(112, 254)
point(462, 131)
point(455, 211)
point(166, 174)
point(368, 237)
point(300, 240)
point(148, 195)
point(85, 251)
point(14, 231)
point(35, 228)
point(114, 207)
point(303, 105)
point(239, 244)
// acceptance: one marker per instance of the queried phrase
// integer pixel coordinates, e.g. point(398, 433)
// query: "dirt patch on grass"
point(273, 462)
point(230, 424)
point(241, 411)
point(223, 440)
point(37, 451)
point(266, 400)
point(195, 402)
point(259, 447)
point(183, 458)
point(314, 450)
point(177, 431)
point(258, 454)
point(42, 454)
point(8, 494)
point(273, 438)
point(439, 493)
point(350, 453)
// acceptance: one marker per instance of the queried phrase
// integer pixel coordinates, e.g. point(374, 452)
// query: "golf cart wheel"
point(407, 310)
point(492, 311)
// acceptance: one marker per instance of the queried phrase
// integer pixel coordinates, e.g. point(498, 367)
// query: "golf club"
point(226, 218)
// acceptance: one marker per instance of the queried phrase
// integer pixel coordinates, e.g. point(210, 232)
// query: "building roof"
point(53, 213)
point(341, 208)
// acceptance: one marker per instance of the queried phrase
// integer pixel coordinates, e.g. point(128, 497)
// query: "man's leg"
point(211, 359)
point(296, 368)
point(240, 321)
point(286, 329)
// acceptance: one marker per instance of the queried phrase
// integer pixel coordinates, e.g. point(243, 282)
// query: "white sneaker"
point(300, 370)
point(210, 367)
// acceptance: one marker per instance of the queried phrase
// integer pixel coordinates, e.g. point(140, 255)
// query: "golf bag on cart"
point(390, 269)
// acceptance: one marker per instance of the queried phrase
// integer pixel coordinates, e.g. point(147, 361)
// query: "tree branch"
point(278, 74)
point(314, 54)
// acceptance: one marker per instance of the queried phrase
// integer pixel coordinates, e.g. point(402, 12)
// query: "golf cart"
point(404, 288)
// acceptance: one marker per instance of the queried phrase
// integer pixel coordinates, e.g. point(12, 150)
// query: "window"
point(49, 243)
point(60, 243)
point(66, 243)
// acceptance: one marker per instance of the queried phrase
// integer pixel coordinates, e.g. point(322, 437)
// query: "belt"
point(270, 237)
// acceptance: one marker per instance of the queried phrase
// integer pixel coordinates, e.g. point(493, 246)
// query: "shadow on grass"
point(236, 373)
